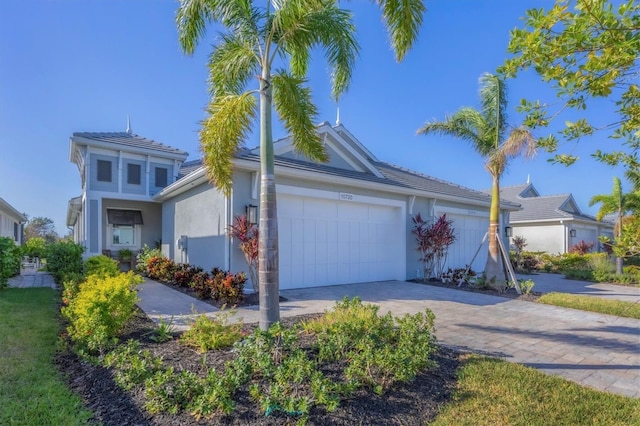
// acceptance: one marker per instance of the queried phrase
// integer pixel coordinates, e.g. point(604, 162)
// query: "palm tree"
point(254, 40)
point(617, 203)
point(487, 131)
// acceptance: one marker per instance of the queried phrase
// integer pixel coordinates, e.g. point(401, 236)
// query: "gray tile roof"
point(545, 207)
point(189, 167)
point(129, 140)
point(392, 175)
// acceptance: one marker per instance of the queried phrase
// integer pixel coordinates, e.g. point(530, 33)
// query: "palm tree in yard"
point(489, 134)
point(617, 203)
point(253, 42)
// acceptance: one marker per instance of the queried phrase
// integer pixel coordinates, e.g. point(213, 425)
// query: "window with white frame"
point(124, 228)
point(123, 235)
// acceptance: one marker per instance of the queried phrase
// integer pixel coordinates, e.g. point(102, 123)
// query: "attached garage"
point(470, 228)
point(328, 238)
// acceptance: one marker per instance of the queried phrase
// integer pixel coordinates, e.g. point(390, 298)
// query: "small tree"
point(422, 229)
point(443, 236)
point(433, 241)
point(247, 234)
point(519, 243)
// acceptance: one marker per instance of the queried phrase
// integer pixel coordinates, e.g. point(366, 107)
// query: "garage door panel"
point(338, 242)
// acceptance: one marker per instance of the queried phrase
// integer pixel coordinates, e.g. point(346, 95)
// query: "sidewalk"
point(32, 278)
point(546, 283)
point(599, 351)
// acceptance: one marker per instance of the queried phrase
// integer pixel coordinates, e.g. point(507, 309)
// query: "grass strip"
point(32, 391)
point(495, 392)
point(593, 304)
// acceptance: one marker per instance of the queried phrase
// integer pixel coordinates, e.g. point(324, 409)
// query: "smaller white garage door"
point(469, 231)
point(330, 241)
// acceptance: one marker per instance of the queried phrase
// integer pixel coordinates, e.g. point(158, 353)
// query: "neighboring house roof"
point(125, 139)
point(536, 207)
point(4, 206)
point(370, 170)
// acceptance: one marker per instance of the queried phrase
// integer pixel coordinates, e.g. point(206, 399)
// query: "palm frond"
point(228, 124)
point(519, 142)
point(493, 98)
point(191, 19)
point(193, 16)
point(232, 63)
point(467, 124)
point(294, 105)
point(301, 25)
point(403, 19)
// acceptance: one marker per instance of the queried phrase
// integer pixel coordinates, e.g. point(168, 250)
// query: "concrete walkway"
point(32, 278)
point(599, 351)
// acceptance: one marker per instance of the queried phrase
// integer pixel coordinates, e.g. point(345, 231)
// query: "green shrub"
point(71, 287)
point(9, 260)
point(64, 257)
point(171, 392)
point(102, 266)
point(143, 258)
point(100, 309)
point(378, 349)
point(132, 366)
point(207, 334)
point(284, 377)
point(35, 247)
point(526, 286)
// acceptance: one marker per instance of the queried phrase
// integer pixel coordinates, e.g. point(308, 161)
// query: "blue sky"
point(75, 65)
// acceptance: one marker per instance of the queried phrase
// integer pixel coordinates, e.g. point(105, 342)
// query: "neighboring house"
point(346, 221)
point(120, 173)
point(11, 222)
point(552, 223)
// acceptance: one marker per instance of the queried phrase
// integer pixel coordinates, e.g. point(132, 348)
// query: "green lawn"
point(32, 392)
point(592, 304)
point(494, 392)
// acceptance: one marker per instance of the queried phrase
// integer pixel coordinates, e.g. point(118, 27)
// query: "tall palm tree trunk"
point(268, 241)
point(619, 260)
point(492, 268)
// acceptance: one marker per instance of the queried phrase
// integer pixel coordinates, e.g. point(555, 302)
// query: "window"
point(104, 171)
point(16, 227)
point(123, 235)
point(161, 177)
point(133, 174)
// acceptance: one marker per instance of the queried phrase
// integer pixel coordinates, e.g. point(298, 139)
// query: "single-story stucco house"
point(11, 222)
point(346, 221)
point(552, 223)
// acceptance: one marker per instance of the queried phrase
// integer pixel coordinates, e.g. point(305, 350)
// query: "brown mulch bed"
point(510, 292)
point(414, 403)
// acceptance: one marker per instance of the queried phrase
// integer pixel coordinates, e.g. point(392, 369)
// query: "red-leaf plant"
point(247, 234)
point(433, 241)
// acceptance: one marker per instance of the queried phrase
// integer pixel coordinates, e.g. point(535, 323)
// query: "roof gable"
point(345, 151)
point(126, 141)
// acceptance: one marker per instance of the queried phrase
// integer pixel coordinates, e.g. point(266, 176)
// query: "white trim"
point(335, 195)
point(113, 146)
point(412, 201)
point(255, 185)
point(464, 212)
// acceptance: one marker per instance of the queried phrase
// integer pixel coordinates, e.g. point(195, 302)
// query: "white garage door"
point(469, 231)
point(328, 241)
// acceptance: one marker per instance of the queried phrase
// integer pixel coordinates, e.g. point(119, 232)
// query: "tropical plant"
point(489, 134)
point(617, 203)
point(143, 257)
point(248, 236)
point(254, 38)
point(433, 241)
point(581, 247)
